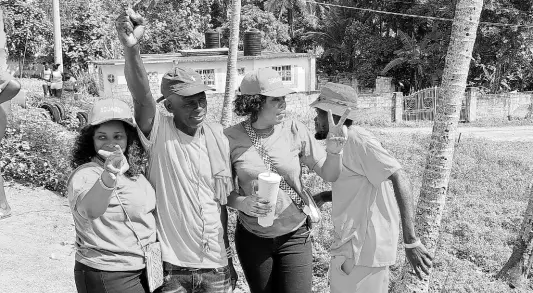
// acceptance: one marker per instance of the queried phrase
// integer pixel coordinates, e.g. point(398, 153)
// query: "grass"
point(483, 214)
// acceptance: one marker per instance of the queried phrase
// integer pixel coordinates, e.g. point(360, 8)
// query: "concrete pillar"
point(472, 95)
point(397, 106)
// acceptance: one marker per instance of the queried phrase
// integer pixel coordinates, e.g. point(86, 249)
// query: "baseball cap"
point(110, 109)
point(264, 81)
point(182, 81)
point(337, 98)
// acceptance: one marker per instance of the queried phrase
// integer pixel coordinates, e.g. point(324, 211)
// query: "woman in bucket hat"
point(278, 257)
point(107, 183)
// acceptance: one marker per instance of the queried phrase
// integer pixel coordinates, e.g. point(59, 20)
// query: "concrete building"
point(298, 70)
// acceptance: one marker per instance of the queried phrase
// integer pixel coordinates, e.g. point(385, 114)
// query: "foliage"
point(274, 33)
point(35, 151)
point(27, 30)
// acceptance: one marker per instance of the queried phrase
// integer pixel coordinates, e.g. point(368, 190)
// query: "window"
point(208, 76)
point(284, 71)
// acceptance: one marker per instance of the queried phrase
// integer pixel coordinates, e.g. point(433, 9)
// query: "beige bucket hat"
point(337, 97)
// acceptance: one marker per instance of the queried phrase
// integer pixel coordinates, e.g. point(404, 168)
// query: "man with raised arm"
point(189, 168)
point(9, 88)
point(370, 198)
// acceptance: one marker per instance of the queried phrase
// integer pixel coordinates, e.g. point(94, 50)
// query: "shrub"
point(36, 150)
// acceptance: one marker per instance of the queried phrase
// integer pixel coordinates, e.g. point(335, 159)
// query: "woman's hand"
point(337, 134)
point(115, 162)
point(253, 205)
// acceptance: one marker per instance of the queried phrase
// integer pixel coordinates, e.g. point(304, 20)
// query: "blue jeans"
point(90, 280)
point(282, 264)
point(191, 280)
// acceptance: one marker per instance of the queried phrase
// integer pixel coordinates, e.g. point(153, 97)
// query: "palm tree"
point(288, 6)
point(434, 188)
point(231, 74)
point(520, 263)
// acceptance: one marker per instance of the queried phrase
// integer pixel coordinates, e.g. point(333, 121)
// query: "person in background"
point(278, 258)
point(188, 166)
point(106, 184)
point(372, 190)
point(9, 88)
point(56, 81)
point(45, 75)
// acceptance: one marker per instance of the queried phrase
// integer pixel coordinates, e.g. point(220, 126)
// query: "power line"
point(418, 16)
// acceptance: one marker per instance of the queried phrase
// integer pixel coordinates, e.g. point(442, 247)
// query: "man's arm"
point(10, 91)
point(418, 256)
point(130, 29)
point(144, 106)
point(224, 221)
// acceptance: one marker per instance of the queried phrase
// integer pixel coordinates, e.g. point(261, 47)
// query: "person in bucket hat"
point(107, 161)
point(276, 258)
point(9, 88)
point(365, 218)
point(189, 167)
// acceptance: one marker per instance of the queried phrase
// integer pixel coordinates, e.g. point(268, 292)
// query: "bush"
point(36, 150)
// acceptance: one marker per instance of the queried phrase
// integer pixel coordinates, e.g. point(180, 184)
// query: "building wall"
point(303, 74)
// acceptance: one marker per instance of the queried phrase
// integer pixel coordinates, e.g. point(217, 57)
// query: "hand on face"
point(130, 28)
point(115, 162)
point(337, 134)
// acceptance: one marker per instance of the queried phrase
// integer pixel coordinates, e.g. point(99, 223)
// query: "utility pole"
point(58, 53)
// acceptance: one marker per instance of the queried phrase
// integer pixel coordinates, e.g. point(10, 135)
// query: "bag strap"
point(295, 197)
point(129, 220)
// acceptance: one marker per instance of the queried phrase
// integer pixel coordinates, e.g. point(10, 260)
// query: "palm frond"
point(392, 64)
point(407, 41)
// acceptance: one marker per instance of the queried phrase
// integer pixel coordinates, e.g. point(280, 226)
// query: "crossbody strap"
point(129, 220)
point(297, 200)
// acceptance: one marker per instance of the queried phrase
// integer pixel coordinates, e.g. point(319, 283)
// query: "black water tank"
point(252, 43)
point(212, 39)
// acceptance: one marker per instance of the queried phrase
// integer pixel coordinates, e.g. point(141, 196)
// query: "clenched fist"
point(130, 27)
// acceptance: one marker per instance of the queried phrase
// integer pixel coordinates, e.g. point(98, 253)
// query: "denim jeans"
point(276, 265)
point(90, 280)
point(190, 280)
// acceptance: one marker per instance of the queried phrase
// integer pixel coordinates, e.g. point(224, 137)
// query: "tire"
point(53, 110)
point(62, 110)
point(82, 118)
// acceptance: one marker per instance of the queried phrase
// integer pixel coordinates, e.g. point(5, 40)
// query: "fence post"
point(397, 106)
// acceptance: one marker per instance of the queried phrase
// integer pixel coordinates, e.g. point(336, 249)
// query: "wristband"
point(102, 184)
point(335, 154)
point(229, 252)
point(413, 245)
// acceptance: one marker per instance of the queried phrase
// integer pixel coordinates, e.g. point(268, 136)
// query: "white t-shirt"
point(365, 214)
point(108, 242)
point(188, 215)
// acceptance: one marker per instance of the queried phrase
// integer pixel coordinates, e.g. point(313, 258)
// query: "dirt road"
point(36, 252)
point(509, 133)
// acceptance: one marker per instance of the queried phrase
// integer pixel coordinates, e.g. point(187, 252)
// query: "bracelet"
point(413, 245)
point(229, 252)
point(102, 184)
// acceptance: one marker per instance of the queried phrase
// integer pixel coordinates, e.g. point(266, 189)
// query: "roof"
point(181, 58)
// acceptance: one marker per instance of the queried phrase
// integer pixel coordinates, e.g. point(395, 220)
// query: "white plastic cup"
point(268, 185)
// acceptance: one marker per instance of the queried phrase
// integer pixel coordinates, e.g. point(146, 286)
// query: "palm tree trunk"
point(440, 155)
point(520, 263)
point(3, 49)
point(231, 74)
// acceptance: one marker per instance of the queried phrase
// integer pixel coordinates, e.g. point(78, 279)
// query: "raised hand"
point(130, 27)
point(420, 259)
point(115, 162)
point(337, 134)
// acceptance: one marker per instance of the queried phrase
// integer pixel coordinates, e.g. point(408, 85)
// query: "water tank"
point(212, 39)
point(252, 42)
